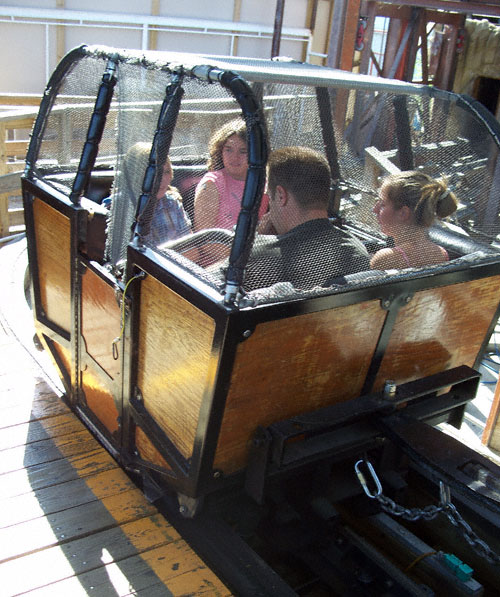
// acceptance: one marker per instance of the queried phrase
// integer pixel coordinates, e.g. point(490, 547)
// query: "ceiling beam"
point(477, 8)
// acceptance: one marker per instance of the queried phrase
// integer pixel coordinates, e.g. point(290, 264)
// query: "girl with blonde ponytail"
point(409, 203)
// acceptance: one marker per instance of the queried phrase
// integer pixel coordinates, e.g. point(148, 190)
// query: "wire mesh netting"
point(65, 128)
point(359, 178)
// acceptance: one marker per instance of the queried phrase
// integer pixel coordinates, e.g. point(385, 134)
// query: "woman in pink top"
point(409, 203)
point(218, 195)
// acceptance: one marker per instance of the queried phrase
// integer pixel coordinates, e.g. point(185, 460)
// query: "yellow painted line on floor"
point(57, 563)
point(44, 532)
point(34, 505)
point(35, 478)
point(109, 483)
point(182, 571)
point(175, 565)
point(46, 450)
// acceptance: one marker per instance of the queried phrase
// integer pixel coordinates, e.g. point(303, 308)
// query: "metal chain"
point(427, 513)
point(477, 544)
point(413, 514)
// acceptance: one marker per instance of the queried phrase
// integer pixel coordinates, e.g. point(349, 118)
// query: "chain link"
point(413, 514)
point(477, 544)
point(428, 512)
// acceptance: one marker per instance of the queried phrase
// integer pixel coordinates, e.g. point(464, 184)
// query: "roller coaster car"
point(253, 413)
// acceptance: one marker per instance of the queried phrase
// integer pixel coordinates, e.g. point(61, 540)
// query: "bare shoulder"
point(387, 259)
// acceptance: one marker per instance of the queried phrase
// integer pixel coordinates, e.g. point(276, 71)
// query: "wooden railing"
point(17, 114)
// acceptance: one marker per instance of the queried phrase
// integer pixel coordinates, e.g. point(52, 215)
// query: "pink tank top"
point(230, 193)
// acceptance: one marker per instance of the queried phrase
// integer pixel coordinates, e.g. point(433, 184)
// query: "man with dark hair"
point(308, 249)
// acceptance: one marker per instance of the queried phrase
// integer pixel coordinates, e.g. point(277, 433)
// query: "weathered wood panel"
point(147, 451)
point(100, 400)
point(52, 232)
point(175, 344)
point(296, 365)
point(440, 328)
point(64, 355)
point(101, 321)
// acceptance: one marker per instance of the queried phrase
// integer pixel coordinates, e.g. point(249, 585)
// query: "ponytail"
point(427, 198)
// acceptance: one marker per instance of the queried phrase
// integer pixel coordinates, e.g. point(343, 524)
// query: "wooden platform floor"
point(71, 522)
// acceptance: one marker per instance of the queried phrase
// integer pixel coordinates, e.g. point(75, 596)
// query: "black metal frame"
point(191, 477)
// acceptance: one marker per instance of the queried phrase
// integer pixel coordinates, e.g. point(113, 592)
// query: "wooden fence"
point(17, 114)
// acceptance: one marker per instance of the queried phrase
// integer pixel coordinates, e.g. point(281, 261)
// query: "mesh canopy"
point(65, 128)
point(180, 142)
point(139, 96)
point(372, 135)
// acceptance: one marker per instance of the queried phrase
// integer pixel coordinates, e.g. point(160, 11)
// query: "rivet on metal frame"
point(390, 389)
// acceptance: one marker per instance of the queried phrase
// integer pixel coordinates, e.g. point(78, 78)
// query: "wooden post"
point(411, 56)
point(153, 33)
point(423, 46)
point(368, 9)
point(336, 34)
point(278, 24)
point(236, 19)
point(60, 34)
point(349, 36)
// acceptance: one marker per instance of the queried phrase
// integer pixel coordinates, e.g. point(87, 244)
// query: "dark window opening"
point(487, 91)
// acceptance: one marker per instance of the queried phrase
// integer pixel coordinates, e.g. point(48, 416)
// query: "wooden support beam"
point(20, 99)
point(404, 12)
point(409, 66)
point(394, 34)
point(278, 24)
point(153, 33)
point(478, 8)
point(336, 33)
point(10, 183)
point(446, 68)
point(350, 31)
point(367, 9)
point(423, 49)
point(60, 34)
point(236, 19)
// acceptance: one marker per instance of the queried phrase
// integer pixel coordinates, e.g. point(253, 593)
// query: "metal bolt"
point(217, 474)
point(182, 509)
point(247, 333)
point(390, 389)
point(386, 303)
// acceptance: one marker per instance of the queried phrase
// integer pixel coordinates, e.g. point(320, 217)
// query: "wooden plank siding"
point(71, 521)
point(17, 114)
